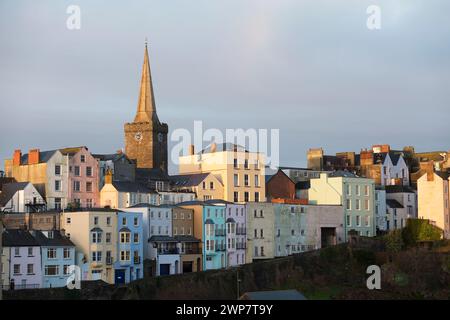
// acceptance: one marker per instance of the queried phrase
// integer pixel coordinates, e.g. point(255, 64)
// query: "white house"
point(380, 209)
point(21, 197)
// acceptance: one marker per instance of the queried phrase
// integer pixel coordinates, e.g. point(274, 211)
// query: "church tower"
point(146, 137)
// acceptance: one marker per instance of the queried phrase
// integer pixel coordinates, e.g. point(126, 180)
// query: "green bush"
point(394, 241)
point(418, 230)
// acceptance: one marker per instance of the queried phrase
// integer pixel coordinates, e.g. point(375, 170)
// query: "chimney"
point(108, 176)
point(33, 156)
point(429, 169)
point(17, 157)
point(213, 147)
point(191, 150)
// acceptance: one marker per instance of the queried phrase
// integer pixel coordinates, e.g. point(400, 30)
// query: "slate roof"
point(126, 186)
point(344, 174)
point(442, 174)
point(188, 180)
point(58, 239)
point(184, 238)
point(224, 147)
point(110, 157)
point(71, 150)
point(398, 189)
point(155, 174)
point(44, 156)
point(217, 201)
point(5, 180)
point(18, 238)
point(273, 295)
point(9, 190)
point(162, 239)
point(394, 204)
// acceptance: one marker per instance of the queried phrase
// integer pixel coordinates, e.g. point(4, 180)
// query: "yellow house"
point(94, 234)
point(433, 199)
point(206, 186)
point(241, 172)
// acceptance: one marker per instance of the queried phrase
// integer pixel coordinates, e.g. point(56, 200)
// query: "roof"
point(44, 156)
point(217, 201)
point(126, 186)
point(343, 174)
point(145, 175)
point(5, 180)
point(71, 150)
point(303, 185)
point(188, 180)
point(398, 189)
point(9, 190)
point(110, 157)
point(442, 174)
point(58, 240)
point(184, 238)
point(220, 147)
point(394, 204)
point(162, 239)
point(124, 229)
point(209, 221)
point(273, 295)
point(18, 238)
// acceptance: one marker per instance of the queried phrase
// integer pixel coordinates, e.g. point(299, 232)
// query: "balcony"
point(191, 251)
point(220, 247)
point(241, 231)
point(241, 246)
point(220, 233)
point(169, 251)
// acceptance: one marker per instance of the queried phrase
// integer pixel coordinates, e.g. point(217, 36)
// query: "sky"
point(311, 69)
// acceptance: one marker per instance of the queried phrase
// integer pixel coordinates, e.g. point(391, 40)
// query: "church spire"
point(146, 110)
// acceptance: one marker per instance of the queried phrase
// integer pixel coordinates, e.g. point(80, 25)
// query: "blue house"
point(57, 254)
point(129, 264)
point(214, 237)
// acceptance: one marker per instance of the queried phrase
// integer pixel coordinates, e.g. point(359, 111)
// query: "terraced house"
point(355, 195)
point(209, 227)
point(260, 231)
point(58, 253)
point(290, 224)
point(94, 234)
point(130, 263)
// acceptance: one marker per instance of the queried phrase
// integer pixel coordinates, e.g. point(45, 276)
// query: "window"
point(89, 203)
point(68, 220)
point(17, 269)
point(256, 251)
point(66, 253)
point(89, 171)
point(261, 232)
point(124, 221)
point(246, 163)
point(358, 204)
point(83, 158)
point(95, 220)
point(204, 185)
point(57, 185)
point(262, 251)
point(108, 237)
point(256, 196)
point(292, 232)
point(236, 180)
point(76, 186)
point(246, 180)
point(77, 171)
point(256, 180)
point(235, 163)
point(57, 170)
point(358, 221)
point(256, 233)
point(66, 269)
point(367, 221)
point(358, 190)
point(52, 270)
point(136, 221)
point(124, 255)
point(348, 204)
point(246, 197)
point(211, 185)
point(366, 190)
point(366, 205)
point(89, 186)
point(124, 237)
point(96, 256)
point(349, 221)
point(348, 189)
point(136, 237)
point(385, 170)
point(96, 237)
point(236, 196)
point(51, 253)
point(261, 213)
point(108, 221)
point(57, 203)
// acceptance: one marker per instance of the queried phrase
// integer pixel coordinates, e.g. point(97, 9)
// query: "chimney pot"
point(33, 156)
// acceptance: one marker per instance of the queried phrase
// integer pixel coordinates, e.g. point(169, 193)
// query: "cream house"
point(241, 172)
point(206, 186)
point(433, 199)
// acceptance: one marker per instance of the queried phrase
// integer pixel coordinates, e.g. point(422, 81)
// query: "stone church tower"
point(146, 137)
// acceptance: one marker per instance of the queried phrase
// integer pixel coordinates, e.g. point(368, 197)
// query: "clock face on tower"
point(138, 136)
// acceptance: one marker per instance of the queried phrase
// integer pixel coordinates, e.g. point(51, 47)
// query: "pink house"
point(83, 178)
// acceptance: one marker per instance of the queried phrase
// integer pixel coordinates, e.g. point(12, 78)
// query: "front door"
point(119, 276)
point(164, 269)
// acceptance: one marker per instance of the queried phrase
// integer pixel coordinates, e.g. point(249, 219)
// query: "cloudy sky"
point(309, 68)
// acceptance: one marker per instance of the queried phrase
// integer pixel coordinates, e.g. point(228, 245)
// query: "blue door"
point(119, 276)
